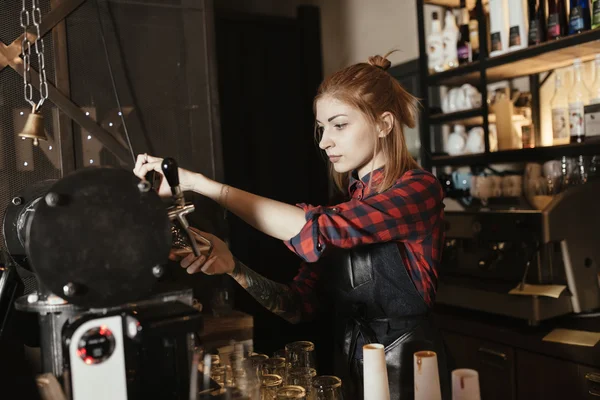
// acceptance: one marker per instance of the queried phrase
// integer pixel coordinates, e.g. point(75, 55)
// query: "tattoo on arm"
point(275, 297)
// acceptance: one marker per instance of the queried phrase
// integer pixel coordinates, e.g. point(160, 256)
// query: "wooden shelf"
point(531, 60)
point(543, 57)
point(452, 3)
point(466, 73)
point(519, 155)
point(466, 117)
point(444, 3)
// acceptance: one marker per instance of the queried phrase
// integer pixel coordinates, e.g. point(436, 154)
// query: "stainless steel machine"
point(97, 241)
point(490, 252)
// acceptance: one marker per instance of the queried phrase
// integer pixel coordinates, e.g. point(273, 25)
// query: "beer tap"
point(179, 209)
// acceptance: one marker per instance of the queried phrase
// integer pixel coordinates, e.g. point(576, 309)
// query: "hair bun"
point(380, 62)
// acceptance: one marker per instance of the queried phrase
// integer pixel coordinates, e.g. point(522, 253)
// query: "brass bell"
point(34, 128)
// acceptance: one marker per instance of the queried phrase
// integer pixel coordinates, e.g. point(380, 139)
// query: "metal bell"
point(34, 128)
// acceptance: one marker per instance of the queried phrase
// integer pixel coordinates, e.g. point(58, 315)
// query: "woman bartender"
point(377, 253)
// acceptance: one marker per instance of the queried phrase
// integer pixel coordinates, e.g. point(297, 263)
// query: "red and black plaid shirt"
point(411, 213)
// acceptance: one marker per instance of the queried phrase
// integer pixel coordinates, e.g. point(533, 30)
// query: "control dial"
point(96, 345)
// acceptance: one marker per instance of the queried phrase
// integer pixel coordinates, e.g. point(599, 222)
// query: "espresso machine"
point(489, 255)
point(97, 242)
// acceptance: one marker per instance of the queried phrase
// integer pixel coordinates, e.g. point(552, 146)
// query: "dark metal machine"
point(97, 241)
point(489, 253)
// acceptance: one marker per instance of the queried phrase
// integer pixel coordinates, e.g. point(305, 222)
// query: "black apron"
point(376, 301)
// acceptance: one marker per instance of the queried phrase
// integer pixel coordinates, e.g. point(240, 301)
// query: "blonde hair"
point(372, 91)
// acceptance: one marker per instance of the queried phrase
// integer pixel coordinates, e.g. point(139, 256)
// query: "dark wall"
point(269, 70)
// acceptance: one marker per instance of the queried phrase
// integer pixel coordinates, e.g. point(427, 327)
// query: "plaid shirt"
point(411, 213)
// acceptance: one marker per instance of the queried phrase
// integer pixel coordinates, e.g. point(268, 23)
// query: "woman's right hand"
point(145, 163)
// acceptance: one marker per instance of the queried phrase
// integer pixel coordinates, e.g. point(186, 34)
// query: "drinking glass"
point(269, 385)
point(300, 354)
point(279, 353)
point(217, 374)
point(301, 376)
point(256, 361)
point(275, 365)
point(326, 387)
point(291, 392)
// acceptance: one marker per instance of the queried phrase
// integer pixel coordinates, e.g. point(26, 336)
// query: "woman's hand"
point(145, 163)
point(220, 261)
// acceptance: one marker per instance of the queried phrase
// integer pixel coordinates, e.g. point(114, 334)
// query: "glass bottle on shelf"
point(537, 23)
point(595, 89)
point(557, 19)
point(579, 16)
point(450, 38)
point(517, 25)
point(579, 97)
point(595, 14)
point(474, 33)
point(527, 131)
point(463, 46)
point(560, 112)
point(435, 46)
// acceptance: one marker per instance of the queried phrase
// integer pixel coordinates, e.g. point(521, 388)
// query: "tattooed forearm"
point(276, 297)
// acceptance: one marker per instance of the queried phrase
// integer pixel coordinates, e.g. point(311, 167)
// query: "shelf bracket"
point(545, 78)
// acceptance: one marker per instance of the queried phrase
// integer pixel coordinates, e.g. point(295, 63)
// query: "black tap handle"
point(171, 171)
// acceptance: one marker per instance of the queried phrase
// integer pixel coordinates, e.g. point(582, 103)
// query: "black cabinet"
point(542, 377)
point(506, 372)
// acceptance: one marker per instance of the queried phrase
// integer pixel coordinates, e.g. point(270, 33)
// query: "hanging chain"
point(35, 17)
point(26, 51)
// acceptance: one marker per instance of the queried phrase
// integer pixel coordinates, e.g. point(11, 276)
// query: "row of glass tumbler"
point(289, 374)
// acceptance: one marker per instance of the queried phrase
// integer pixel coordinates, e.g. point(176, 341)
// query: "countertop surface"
point(517, 333)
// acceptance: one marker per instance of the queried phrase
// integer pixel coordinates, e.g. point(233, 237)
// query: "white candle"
point(376, 384)
point(427, 379)
point(465, 384)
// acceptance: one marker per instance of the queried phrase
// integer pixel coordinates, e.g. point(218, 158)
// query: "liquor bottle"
point(474, 33)
point(595, 89)
point(537, 23)
point(557, 19)
point(579, 97)
point(463, 46)
point(517, 23)
point(595, 14)
point(450, 38)
point(498, 27)
point(435, 46)
point(560, 112)
point(579, 16)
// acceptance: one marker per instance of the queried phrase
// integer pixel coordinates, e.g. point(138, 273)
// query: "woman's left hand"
point(219, 262)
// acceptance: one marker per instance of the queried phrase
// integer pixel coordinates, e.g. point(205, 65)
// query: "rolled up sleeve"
point(405, 212)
